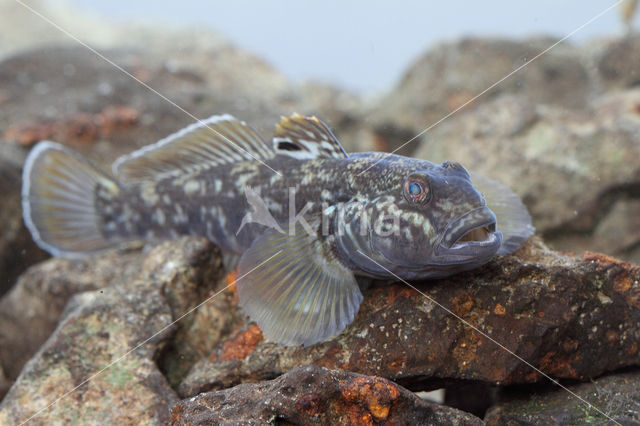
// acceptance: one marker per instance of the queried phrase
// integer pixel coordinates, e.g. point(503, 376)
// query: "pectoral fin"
point(513, 218)
point(303, 295)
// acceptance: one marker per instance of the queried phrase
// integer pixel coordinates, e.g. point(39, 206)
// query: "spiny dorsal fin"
point(306, 138)
point(221, 139)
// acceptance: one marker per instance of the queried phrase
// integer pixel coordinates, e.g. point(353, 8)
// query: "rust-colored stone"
point(314, 395)
point(462, 305)
point(603, 259)
point(79, 128)
point(310, 404)
point(554, 307)
point(559, 365)
point(241, 346)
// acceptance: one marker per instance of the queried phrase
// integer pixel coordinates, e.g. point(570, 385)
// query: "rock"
point(617, 395)
point(617, 62)
point(315, 395)
point(30, 311)
point(452, 73)
point(97, 339)
point(571, 317)
point(98, 109)
point(17, 249)
point(4, 384)
point(575, 171)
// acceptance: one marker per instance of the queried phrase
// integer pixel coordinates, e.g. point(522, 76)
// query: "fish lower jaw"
point(469, 250)
point(479, 234)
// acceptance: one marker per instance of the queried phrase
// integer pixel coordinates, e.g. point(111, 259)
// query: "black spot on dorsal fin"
point(306, 138)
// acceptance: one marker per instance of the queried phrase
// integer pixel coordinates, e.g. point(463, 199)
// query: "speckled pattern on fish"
point(304, 216)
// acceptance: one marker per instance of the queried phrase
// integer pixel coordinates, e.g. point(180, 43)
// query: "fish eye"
point(416, 189)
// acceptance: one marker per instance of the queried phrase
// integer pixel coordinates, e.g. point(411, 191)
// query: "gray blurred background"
point(361, 45)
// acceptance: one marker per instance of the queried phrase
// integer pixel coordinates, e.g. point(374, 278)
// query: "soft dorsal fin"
point(306, 138)
point(221, 139)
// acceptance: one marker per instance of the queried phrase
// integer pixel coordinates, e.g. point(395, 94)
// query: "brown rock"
point(77, 129)
point(4, 384)
point(618, 61)
point(30, 311)
point(451, 74)
point(95, 338)
point(315, 395)
point(616, 395)
point(571, 317)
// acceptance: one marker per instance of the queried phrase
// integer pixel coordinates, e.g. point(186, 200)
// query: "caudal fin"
point(59, 200)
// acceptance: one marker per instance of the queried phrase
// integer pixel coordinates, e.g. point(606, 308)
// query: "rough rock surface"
point(617, 62)
point(618, 396)
point(452, 73)
point(571, 317)
point(4, 383)
point(97, 331)
point(30, 311)
point(315, 395)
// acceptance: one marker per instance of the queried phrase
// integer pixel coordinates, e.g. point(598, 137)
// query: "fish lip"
point(449, 246)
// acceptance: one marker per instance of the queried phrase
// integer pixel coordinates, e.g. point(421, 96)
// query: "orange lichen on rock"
point(623, 284)
point(310, 404)
point(603, 259)
point(462, 305)
point(377, 395)
point(231, 279)
point(391, 293)
point(241, 345)
point(558, 365)
point(499, 309)
point(79, 128)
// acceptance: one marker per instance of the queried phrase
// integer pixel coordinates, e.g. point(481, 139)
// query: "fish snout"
point(471, 236)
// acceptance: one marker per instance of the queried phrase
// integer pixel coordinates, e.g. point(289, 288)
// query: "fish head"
point(425, 221)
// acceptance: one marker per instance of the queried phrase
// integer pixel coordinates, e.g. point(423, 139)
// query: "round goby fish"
point(303, 216)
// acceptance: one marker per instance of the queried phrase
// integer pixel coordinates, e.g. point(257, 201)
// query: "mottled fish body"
point(304, 216)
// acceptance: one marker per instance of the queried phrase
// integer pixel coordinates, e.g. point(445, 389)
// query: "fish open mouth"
point(471, 236)
point(479, 234)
